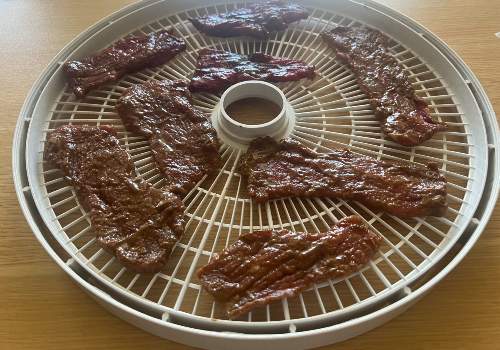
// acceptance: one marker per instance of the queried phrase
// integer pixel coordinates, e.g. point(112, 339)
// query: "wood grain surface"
point(43, 309)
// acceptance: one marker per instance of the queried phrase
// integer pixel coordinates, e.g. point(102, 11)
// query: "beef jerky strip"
point(217, 70)
point(127, 55)
point(266, 266)
point(256, 20)
point(133, 220)
point(287, 168)
point(183, 141)
point(405, 117)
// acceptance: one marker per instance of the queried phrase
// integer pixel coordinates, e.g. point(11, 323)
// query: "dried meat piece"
point(183, 141)
point(287, 168)
point(127, 55)
point(405, 117)
point(133, 220)
point(217, 70)
point(257, 20)
point(266, 266)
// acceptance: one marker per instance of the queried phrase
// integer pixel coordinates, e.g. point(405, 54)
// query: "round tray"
point(329, 111)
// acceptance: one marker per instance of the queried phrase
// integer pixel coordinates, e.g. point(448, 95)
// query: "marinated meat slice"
point(405, 117)
point(217, 70)
point(133, 220)
point(127, 55)
point(257, 20)
point(265, 266)
point(182, 139)
point(287, 168)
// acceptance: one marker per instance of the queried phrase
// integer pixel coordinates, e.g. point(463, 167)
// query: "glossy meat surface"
point(182, 139)
point(127, 55)
point(266, 266)
point(257, 20)
point(217, 70)
point(405, 117)
point(287, 168)
point(133, 220)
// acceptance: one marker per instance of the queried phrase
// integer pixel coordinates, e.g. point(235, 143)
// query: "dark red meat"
point(256, 20)
point(405, 116)
point(183, 141)
point(266, 266)
point(133, 220)
point(287, 168)
point(127, 55)
point(217, 70)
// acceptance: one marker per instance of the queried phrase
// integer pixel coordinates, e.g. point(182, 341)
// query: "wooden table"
point(43, 309)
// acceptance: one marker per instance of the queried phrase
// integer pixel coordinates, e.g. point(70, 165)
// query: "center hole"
point(253, 110)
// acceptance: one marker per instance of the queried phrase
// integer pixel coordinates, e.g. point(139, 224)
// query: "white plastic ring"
point(245, 133)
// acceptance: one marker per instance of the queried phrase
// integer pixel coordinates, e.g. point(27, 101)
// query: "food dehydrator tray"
point(329, 111)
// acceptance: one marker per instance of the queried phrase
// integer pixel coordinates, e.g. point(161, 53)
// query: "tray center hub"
point(252, 109)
